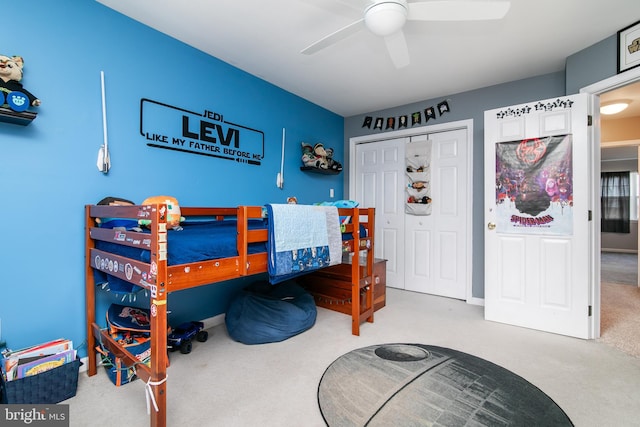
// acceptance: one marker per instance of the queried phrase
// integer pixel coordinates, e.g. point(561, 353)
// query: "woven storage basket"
point(50, 387)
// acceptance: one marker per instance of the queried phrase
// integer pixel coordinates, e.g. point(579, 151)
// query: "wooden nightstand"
point(331, 286)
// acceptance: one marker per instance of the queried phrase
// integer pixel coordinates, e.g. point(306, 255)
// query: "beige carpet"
point(620, 317)
point(619, 267)
point(229, 384)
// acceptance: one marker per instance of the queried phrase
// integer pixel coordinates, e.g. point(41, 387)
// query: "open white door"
point(537, 215)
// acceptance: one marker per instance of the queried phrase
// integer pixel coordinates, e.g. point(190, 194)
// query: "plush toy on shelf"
point(308, 158)
point(318, 157)
point(12, 93)
point(314, 156)
point(321, 156)
point(331, 163)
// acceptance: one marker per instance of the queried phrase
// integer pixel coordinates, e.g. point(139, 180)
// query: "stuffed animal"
point(117, 223)
point(331, 163)
point(173, 211)
point(321, 156)
point(308, 156)
point(10, 76)
point(423, 199)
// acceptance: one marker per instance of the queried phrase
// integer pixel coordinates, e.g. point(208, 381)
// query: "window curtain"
point(615, 202)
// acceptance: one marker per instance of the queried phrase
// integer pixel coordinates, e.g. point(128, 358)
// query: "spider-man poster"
point(534, 186)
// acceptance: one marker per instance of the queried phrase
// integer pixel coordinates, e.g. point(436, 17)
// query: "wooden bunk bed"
point(160, 278)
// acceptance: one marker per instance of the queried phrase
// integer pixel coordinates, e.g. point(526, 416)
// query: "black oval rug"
point(423, 385)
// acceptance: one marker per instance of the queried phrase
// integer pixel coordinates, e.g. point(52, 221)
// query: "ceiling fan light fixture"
point(614, 107)
point(386, 17)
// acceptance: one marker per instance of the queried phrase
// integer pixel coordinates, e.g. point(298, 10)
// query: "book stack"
point(37, 359)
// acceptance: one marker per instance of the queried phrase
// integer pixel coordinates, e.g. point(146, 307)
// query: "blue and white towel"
point(302, 239)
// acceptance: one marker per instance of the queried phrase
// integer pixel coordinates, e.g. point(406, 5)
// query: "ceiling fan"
point(385, 18)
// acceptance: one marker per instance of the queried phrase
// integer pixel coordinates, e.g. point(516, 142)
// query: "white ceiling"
point(356, 76)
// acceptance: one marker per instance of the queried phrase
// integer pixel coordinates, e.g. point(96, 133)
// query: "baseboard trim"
point(84, 364)
point(625, 251)
point(214, 321)
point(475, 301)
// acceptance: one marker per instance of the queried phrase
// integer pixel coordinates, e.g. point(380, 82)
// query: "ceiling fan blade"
point(398, 50)
point(458, 10)
point(334, 37)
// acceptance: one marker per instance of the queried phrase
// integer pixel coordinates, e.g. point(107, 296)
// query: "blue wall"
point(48, 168)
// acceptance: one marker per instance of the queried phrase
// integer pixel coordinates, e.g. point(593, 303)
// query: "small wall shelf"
point(9, 116)
point(318, 170)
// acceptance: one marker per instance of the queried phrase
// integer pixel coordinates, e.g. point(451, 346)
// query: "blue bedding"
point(197, 241)
point(302, 239)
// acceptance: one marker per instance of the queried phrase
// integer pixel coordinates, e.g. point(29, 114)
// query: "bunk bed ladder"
point(90, 295)
point(156, 387)
point(362, 280)
point(154, 375)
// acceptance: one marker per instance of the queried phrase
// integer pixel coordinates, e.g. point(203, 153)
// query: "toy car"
point(182, 336)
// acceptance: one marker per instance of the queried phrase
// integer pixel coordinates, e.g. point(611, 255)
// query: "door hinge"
point(590, 216)
point(590, 311)
point(589, 120)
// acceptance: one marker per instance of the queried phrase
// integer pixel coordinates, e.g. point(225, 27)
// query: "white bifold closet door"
point(380, 184)
point(435, 244)
point(424, 253)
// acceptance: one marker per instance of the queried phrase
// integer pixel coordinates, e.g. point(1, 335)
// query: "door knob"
point(491, 226)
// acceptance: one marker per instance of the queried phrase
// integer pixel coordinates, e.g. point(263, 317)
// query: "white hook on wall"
point(280, 177)
point(104, 162)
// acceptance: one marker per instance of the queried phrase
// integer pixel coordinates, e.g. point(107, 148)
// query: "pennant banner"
point(400, 122)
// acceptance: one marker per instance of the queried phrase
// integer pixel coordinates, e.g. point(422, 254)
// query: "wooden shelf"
point(320, 171)
point(9, 116)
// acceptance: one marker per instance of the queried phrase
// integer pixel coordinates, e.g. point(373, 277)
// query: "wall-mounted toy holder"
point(418, 178)
point(17, 118)
point(318, 159)
point(15, 100)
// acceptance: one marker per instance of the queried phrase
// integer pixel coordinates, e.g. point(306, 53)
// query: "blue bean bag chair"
point(264, 313)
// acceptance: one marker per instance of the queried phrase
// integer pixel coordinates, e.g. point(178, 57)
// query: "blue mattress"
point(197, 241)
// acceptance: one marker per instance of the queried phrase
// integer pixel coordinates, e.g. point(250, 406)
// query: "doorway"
point(604, 91)
point(619, 291)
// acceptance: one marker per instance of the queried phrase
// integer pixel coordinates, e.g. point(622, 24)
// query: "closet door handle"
point(491, 226)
